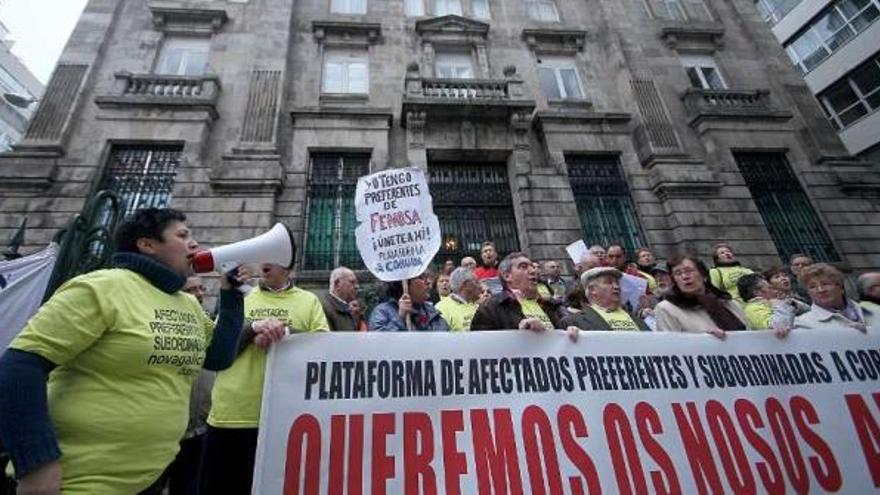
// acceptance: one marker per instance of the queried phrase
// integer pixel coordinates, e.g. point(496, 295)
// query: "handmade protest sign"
point(615, 412)
point(398, 233)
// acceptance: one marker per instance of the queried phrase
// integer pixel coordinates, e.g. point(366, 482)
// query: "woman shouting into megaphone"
point(119, 349)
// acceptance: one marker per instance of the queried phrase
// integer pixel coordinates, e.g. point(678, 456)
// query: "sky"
point(40, 29)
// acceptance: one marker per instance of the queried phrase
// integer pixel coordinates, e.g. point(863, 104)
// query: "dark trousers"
point(182, 476)
point(228, 465)
point(184, 473)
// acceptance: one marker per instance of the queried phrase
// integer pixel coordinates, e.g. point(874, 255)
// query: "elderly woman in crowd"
point(727, 270)
point(391, 315)
point(831, 308)
point(694, 304)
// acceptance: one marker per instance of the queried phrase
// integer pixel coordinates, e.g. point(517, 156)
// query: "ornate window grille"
point(142, 176)
point(330, 239)
point(473, 203)
point(784, 206)
point(604, 205)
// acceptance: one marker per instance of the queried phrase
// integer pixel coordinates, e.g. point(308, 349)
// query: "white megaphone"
point(275, 246)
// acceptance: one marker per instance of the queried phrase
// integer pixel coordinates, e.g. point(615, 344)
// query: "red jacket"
point(483, 272)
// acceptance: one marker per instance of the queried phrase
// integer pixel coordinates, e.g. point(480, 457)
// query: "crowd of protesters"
point(85, 410)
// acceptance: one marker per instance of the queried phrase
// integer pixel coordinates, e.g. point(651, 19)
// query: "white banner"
point(524, 413)
point(398, 234)
point(22, 284)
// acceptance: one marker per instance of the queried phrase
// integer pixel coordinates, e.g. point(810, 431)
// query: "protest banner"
point(22, 284)
point(615, 412)
point(398, 233)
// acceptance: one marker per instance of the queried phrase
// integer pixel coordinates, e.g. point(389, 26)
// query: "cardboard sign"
point(615, 412)
point(398, 233)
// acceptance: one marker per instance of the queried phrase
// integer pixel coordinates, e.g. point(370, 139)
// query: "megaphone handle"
point(408, 315)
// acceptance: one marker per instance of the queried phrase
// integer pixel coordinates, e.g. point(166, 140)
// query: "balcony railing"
point(731, 104)
point(466, 89)
point(460, 97)
point(157, 90)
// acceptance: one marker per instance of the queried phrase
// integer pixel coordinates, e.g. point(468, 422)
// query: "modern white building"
point(16, 80)
point(836, 45)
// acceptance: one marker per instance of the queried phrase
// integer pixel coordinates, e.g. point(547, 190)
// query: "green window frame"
point(474, 204)
point(330, 239)
point(605, 208)
point(789, 216)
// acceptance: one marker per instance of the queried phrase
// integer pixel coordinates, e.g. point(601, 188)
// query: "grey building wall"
point(248, 135)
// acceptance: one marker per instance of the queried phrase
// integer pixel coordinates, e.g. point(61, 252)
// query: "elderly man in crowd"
point(869, 290)
point(588, 260)
point(604, 310)
point(458, 309)
point(469, 262)
point(516, 306)
point(338, 300)
point(796, 263)
point(616, 258)
point(552, 285)
point(599, 252)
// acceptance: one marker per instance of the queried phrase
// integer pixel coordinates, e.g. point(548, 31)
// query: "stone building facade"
point(668, 123)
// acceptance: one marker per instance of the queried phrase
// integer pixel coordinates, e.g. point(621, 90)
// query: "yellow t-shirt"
point(758, 314)
point(238, 390)
point(531, 309)
point(617, 320)
point(458, 314)
point(127, 355)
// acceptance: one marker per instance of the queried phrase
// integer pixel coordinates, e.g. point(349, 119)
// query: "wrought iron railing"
point(605, 208)
point(86, 243)
point(330, 240)
point(473, 203)
point(793, 224)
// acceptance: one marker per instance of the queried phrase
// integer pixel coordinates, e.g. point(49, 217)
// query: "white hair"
point(338, 273)
point(459, 276)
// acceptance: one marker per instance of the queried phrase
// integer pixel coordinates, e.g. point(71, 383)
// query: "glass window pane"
point(481, 8)
point(357, 78)
point(867, 78)
point(171, 62)
point(415, 7)
point(694, 77)
point(874, 100)
point(333, 77)
point(866, 18)
point(570, 83)
point(840, 38)
point(853, 114)
point(549, 84)
point(712, 78)
point(841, 96)
point(195, 64)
